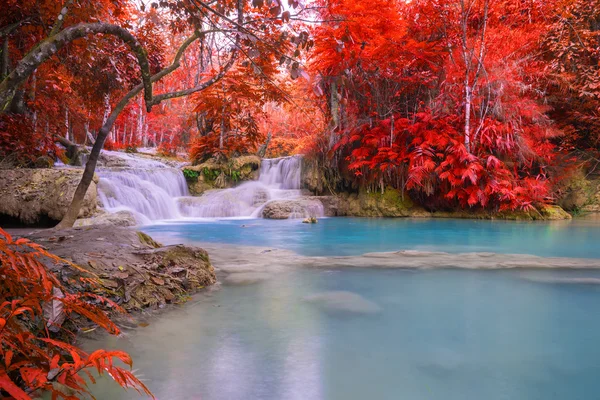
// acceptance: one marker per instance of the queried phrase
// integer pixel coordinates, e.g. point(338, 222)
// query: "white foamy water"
point(154, 191)
point(279, 179)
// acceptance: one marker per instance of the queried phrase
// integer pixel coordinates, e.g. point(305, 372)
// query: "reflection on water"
point(355, 236)
point(446, 334)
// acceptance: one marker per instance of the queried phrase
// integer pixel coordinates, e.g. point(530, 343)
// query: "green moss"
point(147, 240)
point(191, 175)
point(393, 198)
point(554, 213)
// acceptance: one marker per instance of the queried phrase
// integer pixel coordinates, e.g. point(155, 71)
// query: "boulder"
point(296, 208)
point(577, 192)
point(331, 205)
point(35, 195)
point(552, 213)
point(120, 218)
point(312, 177)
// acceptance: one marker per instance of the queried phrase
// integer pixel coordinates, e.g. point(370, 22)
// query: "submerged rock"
point(342, 301)
point(34, 195)
point(293, 208)
point(245, 278)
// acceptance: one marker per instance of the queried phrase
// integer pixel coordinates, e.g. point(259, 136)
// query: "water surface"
point(439, 335)
point(355, 236)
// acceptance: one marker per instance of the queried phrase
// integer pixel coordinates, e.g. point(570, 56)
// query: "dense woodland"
point(465, 103)
point(458, 104)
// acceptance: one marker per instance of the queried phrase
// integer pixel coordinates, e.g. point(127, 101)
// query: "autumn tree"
point(573, 75)
point(227, 18)
point(431, 107)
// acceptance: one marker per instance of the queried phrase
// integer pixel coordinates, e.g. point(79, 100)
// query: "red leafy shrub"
point(35, 357)
point(282, 146)
point(428, 157)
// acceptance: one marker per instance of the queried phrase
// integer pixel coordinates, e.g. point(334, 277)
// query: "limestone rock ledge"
point(131, 268)
point(120, 218)
point(392, 204)
point(221, 174)
point(34, 195)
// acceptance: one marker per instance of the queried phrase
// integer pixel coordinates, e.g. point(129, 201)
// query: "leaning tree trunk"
point(90, 167)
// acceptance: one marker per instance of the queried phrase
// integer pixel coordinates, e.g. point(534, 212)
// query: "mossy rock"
point(578, 192)
point(221, 174)
point(147, 240)
point(390, 203)
point(554, 213)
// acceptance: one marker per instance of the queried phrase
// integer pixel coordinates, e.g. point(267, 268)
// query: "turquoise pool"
point(355, 236)
point(433, 335)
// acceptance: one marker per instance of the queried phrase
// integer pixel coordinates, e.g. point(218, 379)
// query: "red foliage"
point(428, 157)
point(35, 358)
point(21, 142)
point(422, 100)
point(167, 149)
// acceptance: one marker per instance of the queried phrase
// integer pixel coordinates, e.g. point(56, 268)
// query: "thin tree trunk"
point(50, 46)
point(140, 122)
point(67, 123)
point(468, 101)
point(5, 61)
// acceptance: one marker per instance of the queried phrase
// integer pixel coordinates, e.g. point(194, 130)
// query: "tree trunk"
point(67, 124)
point(90, 167)
point(334, 104)
point(468, 101)
point(5, 60)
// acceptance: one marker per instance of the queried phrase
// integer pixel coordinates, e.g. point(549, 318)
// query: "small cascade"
point(154, 191)
point(280, 178)
point(281, 173)
point(151, 193)
point(146, 187)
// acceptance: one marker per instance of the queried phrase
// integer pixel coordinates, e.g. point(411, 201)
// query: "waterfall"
point(147, 188)
point(281, 173)
point(280, 178)
point(149, 193)
point(154, 191)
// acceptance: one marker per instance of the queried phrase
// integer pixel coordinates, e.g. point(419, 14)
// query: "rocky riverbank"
point(132, 270)
point(390, 204)
point(42, 196)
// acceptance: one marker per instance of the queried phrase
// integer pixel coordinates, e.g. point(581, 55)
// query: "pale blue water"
point(355, 236)
point(440, 335)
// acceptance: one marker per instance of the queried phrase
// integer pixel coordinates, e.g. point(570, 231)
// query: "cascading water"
point(154, 191)
point(147, 188)
point(279, 179)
